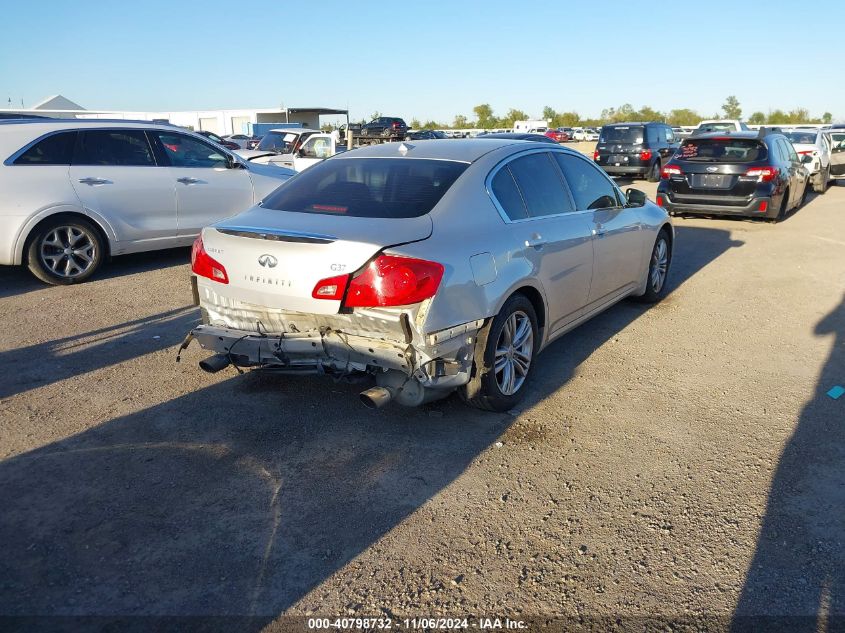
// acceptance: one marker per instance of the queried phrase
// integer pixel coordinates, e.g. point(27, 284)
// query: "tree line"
point(485, 118)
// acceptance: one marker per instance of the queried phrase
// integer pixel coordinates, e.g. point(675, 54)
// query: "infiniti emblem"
point(268, 261)
point(712, 169)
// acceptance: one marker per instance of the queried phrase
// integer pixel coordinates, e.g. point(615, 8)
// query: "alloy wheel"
point(514, 352)
point(68, 251)
point(659, 265)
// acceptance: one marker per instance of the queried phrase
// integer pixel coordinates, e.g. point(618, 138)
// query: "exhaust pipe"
point(215, 363)
point(375, 397)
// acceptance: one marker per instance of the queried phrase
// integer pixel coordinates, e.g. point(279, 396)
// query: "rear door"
point(115, 173)
point(795, 169)
point(618, 247)
point(550, 234)
point(206, 188)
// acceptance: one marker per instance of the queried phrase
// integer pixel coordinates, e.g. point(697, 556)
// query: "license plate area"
point(616, 159)
point(711, 181)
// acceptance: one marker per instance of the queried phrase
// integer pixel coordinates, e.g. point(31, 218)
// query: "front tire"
point(64, 251)
point(504, 357)
point(658, 269)
point(820, 186)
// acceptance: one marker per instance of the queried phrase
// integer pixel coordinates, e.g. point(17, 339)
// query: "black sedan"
point(738, 173)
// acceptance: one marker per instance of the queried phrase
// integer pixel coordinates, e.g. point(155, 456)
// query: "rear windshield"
point(715, 127)
point(368, 187)
point(622, 134)
point(808, 138)
point(723, 150)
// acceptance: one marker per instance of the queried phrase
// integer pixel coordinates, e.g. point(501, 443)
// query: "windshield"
point(622, 134)
point(722, 150)
point(808, 138)
point(368, 187)
point(279, 142)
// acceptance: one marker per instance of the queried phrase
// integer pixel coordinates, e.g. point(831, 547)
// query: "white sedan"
point(817, 145)
point(78, 191)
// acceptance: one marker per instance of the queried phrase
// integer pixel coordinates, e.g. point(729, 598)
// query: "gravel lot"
point(680, 460)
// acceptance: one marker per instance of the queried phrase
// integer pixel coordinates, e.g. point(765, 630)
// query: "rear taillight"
point(762, 174)
point(645, 154)
point(331, 288)
point(671, 170)
point(390, 280)
point(204, 265)
point(596, 155)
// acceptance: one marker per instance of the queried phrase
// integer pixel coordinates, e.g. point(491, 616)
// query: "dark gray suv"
point(386, 126)
point(636, 150)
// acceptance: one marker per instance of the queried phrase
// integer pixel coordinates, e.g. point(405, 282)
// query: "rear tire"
point(654, 172)
point(504, 357)
point(658, 269)
point(782, 210)
point(64, 251)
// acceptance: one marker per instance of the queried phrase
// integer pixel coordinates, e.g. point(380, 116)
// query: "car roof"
point(516, 136)
point(61, 124)
point(744, 134)
point(626, 123)
point(462, 150)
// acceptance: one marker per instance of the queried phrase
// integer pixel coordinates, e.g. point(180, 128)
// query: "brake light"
point(204, 265)
point(390, 280)
point(331, 288)
point(596, 155)
point(763, 174)
point(659, 201)
point(764, 206)
point(645, 154)
point(805, 152)
point(671, 170)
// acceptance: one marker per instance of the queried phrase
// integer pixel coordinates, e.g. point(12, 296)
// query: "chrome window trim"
point(10, 162)
point(488, 185)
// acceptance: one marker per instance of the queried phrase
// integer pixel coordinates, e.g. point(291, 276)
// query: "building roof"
point(56, 102)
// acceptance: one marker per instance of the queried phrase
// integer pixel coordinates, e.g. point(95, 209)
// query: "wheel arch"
point(37, 222)
point(538, 302)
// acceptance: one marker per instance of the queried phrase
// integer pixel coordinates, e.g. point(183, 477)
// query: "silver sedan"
point(432, 267)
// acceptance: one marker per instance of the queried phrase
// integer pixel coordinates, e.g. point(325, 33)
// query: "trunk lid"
point(275, 258)
point(717, 166)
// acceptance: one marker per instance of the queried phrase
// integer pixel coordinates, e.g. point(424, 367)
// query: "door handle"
point(536, 242)
point(187, 180)
point(94, 181)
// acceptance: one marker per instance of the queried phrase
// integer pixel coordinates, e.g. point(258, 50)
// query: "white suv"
point(76, 192)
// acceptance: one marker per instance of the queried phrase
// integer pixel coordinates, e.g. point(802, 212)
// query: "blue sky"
point(426, 60)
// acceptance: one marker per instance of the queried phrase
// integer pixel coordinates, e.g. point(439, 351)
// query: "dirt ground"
point(679, 461)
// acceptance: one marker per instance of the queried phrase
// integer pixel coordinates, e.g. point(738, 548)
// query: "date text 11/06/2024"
point(382, 624)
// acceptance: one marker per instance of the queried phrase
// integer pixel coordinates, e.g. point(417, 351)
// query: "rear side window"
point(622, 134)
point(506, 192)
point(540, 184)
point(185, 151)
point(56, 149)
point(589, 186)
point(125, 148)
point(722, 150)
point(368, 187)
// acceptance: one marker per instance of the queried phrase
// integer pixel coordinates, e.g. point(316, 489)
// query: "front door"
point(208, 187)
point(617, 231)
point(837, 154)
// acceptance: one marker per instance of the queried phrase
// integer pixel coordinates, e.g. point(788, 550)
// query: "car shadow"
point(796, 579)
point(59, 359)
point(240, 498)
point(17, 280)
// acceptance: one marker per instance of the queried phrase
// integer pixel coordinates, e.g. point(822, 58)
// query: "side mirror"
point(806, 158)
point(635, 197)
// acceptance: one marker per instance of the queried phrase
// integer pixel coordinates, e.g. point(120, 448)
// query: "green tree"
point(731, 108)
point(757, 118)
point(375, 115)
point(460, 122)
point(777, 116)
point(549, 113)
point(647, 113)
point(512, 115)
point(827, 117)
point(415, 124)
point(484, 115)
point(683, 116)
point(431, 125)
point(566, 119)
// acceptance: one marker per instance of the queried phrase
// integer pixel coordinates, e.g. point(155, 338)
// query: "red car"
point(558, 135)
